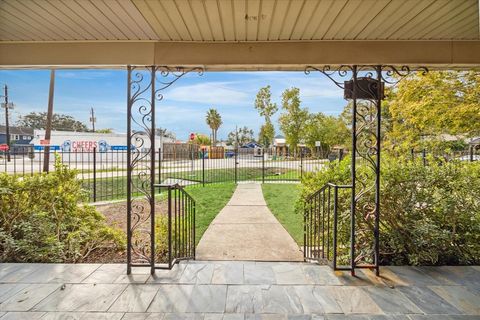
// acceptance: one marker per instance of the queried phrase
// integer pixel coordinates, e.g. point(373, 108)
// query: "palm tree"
point(214, 121)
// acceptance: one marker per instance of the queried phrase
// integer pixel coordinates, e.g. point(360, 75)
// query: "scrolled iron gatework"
point(145, 87)
point(364, 85)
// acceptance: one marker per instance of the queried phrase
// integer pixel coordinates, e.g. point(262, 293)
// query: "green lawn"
point(228, 174)
point(281, 199)
point(209, 201)
point(115, 187)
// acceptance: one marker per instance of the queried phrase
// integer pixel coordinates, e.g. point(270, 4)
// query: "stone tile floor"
point(237, 291)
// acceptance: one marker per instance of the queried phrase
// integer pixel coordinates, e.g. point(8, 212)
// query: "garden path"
point(245, 229)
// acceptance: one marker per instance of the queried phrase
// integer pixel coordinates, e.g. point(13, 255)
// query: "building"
point(20, 137)
point(71, 141)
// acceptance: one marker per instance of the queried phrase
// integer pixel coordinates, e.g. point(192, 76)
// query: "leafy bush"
point(429, 214)
point(42, 220)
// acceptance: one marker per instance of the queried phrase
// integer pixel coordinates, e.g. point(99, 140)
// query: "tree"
point(106, 130)
point(266, 109)
point(425, 108)
point(329, 130)
point(292, 120)
point(214, 121)
point(201, 139)
point(162, 132)
point(266, 135)
point(62, 122)
point(240, 137)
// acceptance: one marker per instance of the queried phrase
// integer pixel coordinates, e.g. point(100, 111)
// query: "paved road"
point(245, 229)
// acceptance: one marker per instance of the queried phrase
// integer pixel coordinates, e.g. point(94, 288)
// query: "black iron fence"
point(327, 226)
point(471, 154)
point(260, 165)
point(103, 173)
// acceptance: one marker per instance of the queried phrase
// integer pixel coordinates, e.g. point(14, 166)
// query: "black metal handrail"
point(321, 225)
point(181, 225)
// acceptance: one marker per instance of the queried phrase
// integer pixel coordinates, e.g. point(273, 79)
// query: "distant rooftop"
point(16, 130)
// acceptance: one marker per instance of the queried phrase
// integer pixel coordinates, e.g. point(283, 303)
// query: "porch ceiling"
point(41, 31)
point(238, 20)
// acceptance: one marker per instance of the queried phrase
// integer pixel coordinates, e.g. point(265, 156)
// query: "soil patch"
point(116, 216)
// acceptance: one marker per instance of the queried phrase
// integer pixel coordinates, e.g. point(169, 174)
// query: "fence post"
point(160, 168)
point(263, 165)
point(424, 157)
point(301, 164)
point(236, 163)
point(335, 220)
point(340, 155)
point(471, 153)
point(169, 227)
point(412, 152)
point(94, 174)
point(203, 167)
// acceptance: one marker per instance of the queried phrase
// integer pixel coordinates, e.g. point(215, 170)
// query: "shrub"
point(42, 220)
point(429, 214)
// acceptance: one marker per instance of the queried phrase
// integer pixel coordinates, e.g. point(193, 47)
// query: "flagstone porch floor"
point(237, 291)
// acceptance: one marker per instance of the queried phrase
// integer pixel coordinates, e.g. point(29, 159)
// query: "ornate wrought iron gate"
point(363, 85)
point(146, 85)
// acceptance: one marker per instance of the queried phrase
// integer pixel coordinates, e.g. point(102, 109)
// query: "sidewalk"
point(245, 229)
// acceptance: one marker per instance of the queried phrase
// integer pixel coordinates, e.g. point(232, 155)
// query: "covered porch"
point(158, 42)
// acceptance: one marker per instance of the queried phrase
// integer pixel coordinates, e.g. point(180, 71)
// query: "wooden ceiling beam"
point(286, 55)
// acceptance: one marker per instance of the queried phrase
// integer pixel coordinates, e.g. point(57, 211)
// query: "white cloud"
point(214, 93)
point(83, 74)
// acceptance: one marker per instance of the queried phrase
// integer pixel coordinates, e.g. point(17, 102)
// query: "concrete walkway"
point(245, 229)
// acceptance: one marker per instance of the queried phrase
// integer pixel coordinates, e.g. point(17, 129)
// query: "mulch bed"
point(116, 216)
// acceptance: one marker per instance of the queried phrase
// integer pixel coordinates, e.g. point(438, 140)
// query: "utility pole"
point(236, 135)
point(92, 118)
point(7, 125)
point(48, 127)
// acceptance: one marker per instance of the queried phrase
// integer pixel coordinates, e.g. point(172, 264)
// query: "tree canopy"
point(422, 108)
point(266, 109)
point(61, 122)
point(329, 130)
point(292, 120)
point(242, 136)
point(214, 121)
point(202, 139)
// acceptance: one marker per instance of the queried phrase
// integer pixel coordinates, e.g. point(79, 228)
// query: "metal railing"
point(180, 227)
point(325, 218)
point(238, 165)
point(471, 154)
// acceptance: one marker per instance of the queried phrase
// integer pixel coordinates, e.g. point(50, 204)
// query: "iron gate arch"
point(363, 83)
point(145, 87)
point(142, 94)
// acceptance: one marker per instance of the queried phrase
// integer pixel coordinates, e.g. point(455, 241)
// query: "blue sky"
point(184, 106)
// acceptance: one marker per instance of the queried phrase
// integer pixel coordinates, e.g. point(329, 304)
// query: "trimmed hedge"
point(430, 215)
point(42, 220)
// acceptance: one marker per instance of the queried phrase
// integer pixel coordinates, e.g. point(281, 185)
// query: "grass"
point(209, 201)
point(281, 199)
point(243, 174)
point(115, 187)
